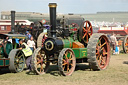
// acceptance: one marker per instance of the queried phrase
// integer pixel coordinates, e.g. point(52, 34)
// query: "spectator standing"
point(31, 44)
point(113, 42)
point(28, 35)
point(117, 48)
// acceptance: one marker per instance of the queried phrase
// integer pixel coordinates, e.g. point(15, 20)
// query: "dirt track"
point(115, 74)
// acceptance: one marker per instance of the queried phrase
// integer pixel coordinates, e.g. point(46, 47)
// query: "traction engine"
point(69, 46)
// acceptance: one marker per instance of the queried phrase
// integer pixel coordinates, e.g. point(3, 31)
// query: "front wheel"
point(66, 62)
point(40, 62)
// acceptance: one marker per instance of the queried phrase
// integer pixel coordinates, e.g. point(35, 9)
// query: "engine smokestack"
point(52, 8)
point(12, 21)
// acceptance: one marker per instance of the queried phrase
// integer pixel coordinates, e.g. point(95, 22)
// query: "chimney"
point(12, 21)
point(52, 8)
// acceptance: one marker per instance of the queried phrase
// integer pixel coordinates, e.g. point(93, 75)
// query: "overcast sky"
point(64, 6)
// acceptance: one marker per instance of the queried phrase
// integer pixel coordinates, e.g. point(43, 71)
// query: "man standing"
point(27, 52)
point(113, 41)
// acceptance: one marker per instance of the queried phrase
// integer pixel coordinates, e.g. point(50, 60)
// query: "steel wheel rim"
point(19, 61)
point(87, 31)
point(68, 63)
point(102, 52)
point(41, 62)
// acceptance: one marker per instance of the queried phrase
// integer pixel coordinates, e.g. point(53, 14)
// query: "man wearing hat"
point(27, 52)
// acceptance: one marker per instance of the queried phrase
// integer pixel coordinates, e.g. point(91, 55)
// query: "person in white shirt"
point(31, 44)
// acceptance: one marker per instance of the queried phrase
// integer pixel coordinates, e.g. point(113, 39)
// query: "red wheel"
point(85, 31)
point(66, 62)
point(98, 52)
point(102, 52)
point(125, 44)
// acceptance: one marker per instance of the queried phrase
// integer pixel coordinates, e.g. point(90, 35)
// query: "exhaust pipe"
point(12, 21)
point(52, 8)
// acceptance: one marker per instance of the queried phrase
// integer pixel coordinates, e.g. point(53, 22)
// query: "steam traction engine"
point(71, 46)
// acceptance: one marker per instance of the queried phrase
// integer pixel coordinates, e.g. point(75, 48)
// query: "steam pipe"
point(52, 8)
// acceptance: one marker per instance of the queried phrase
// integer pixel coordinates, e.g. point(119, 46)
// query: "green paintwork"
point(1, 52)
point(2, 62)
point(9, 47)
point(68, 42)
point(7, 62)
point(80, 52)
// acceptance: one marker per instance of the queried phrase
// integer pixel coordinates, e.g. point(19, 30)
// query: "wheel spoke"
point(70, 55)
point(87, 38)
point(97, 49)
point(64, 60)
point(67, 67)
point(39, 54)
point(18, 53)
point(102, 48)
point(71, 59)
point(41, 69)
point(84, 29)
point(99, 42)
point(84, 35)
point(66, 55)
point(38, 62)
point(64, 64)
point(71, 65)
point(90, 27)
point(103, 61)
point(63, 67)
point(99, 60)
point(20, 56)
point(103, 44)
point(98, 57)
point(105, 52)
point(21, 61)
point(97, 53)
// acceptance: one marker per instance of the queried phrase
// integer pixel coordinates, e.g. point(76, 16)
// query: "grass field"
point(115, 74)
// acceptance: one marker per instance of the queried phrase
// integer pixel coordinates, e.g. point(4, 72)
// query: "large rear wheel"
point(98, 52)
